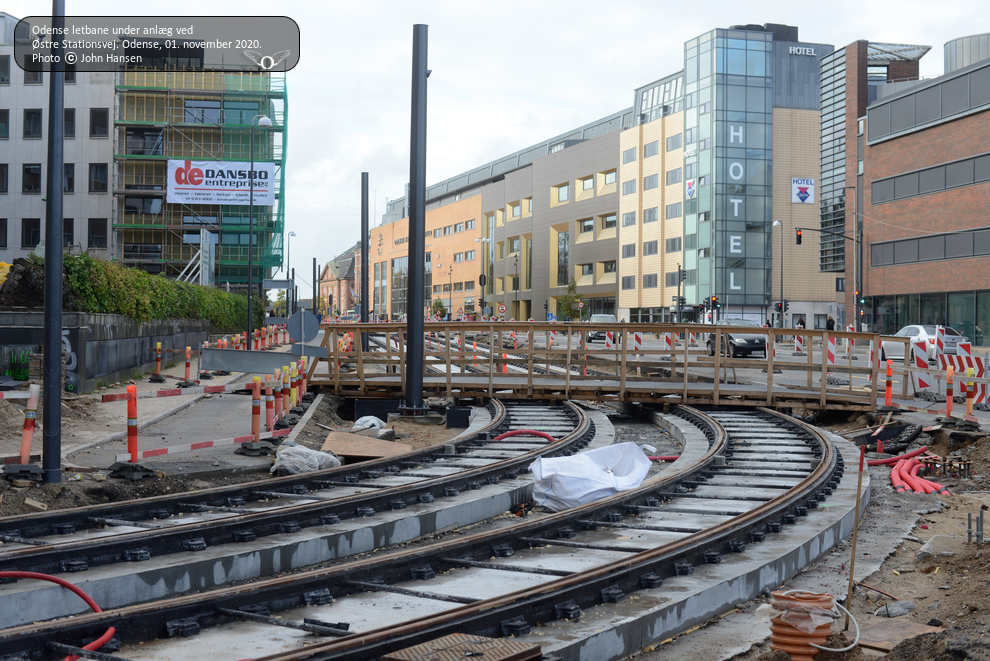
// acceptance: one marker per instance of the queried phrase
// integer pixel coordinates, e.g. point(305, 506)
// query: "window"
point(705, 144)
point(515, 283)
point(673, 177)
point(628, 218)
point(70, 73)
point(586, 225)
point(649, 281)
point(458, 286)
point(97, 177)
point(587, 269)
point(144, 142)
point(529, 205)
point(449, 229)
point(690, 170)
point(458, 257)
point(673, 245)
point(31, 178)
point(469, 225)
point(437, 233)
point(96, 236)
point(99, 122)
point(629, 155)
point(68, 177)
point(446, 287)
point(4, 124)
point(514, 245)
point(608, 220)
point(670, 279)
point(587, 184)
point(68, 235)
point(32, 123)
point(610, 177)
point(674, 142)
point(650, 215)
point(651, 149)
point(152, 205)
point(705, 107)
point(651, 182)
point(673, 210)
point(3, 230)
point(563, 259)
point(5, 77)
point(629, 282)
point(690, 135)
point(459, 227)
point(649, 248)
point(30, 233)
point(469, 285)
point(3, 177)
point(563, 192)
point(515, 210)
point(69, 123)
point(608, 267)
point(437, 289)
point(33, 78)
point(629, 187)
point(629, 250)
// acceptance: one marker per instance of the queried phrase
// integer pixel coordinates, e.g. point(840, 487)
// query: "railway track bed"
point(597, 581)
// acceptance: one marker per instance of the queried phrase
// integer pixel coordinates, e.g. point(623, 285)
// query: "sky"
point(505, 75)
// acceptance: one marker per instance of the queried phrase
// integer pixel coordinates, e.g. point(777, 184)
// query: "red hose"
point(525, 432)
point(893, 460)
point(895, 477)
point(931, 486)
point(913, 481)
point(655, 458)
point(96, 644)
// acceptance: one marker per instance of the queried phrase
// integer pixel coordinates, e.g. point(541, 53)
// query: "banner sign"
point(220, 182)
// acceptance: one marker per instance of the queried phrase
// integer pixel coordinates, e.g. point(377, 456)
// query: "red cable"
point(895, 477)
point(96, 644)
point(525, 432)
point(893, 460)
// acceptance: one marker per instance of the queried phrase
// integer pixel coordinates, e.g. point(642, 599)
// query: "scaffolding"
point(197, 115)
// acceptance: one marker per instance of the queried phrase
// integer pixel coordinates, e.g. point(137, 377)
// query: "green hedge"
point(100, 287)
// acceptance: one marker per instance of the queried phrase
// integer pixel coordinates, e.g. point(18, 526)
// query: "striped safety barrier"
point(923, 379)
point(637, 343)
point(668, 341)
point(959, 364)
point(939, 340)
point(831, 351)
point(609, 340)
point(202, 445)
point(798, 344)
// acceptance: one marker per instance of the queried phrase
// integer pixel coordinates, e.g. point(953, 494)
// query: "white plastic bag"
point(367, 422)
point(291, 459)
point(563, 482)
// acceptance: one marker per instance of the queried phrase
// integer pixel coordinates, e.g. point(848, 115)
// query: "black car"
point(740, 342)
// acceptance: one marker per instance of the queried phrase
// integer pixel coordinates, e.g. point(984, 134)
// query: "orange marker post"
point(132, 443)
point(158, 359)
point(246, 343)
point(256, 409)
point(303, 378)
point(970, 392)
point(948, 390)
point(286, 390)
point(269, 408)
point(294, 381)
point(188, 359)
point(30, 417)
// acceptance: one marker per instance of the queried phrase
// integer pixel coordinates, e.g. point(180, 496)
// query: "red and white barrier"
point(668, 341)
point(202, 445)
point(609, 340)
point(964, 349)
point(939, 340)
point(959, 364)
point(637, 343)
point(831, 351)
point(694, 339)
point(798, 344)
point(923, 379)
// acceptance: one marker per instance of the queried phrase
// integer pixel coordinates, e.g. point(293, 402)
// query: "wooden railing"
point(556, 360)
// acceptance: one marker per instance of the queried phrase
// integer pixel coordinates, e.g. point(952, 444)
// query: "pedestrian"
point(766, 324)
point(800, 323)
point(830, 324)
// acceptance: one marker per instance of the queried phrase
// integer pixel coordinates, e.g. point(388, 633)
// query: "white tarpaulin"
point(220, 182)
point(563, 482)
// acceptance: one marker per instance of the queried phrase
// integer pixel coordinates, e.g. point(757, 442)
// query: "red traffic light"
point(797, 236)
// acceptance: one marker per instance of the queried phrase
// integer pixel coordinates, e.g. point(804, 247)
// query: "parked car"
point(919, 333)
point(739, 342)
point(599, 334)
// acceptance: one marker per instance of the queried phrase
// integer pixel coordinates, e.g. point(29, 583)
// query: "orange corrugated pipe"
point(895, 477)
point(792, 640)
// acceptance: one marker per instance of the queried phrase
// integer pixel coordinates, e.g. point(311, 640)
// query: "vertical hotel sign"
point(220, 182)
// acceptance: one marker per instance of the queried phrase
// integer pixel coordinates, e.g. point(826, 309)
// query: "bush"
point(100, 287)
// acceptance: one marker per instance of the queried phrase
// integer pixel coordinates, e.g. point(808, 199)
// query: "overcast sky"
point(506, 74)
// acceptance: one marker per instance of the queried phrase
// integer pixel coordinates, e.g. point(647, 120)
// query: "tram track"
point(548, 569)
point(359, 507)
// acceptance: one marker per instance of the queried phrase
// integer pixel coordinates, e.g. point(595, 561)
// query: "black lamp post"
point(262, 120)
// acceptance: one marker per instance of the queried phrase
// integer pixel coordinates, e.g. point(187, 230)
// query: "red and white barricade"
point(798, 344)
point(609, 342)
point(694, 339)
point(637, 341)
point(923, 380)
point(850, 342)
point(964, 350)
point(668, 341)
point(553, 338)
point(831, 351)
point(939, 340)
point(960, 363)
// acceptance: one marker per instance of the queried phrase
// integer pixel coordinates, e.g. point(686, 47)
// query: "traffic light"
point(797, 236)
point(715, 303)
point(546, 306)
point(776, 306)
point(683, 274)
point(701, 308)
point(861, 298)
point(787, 304)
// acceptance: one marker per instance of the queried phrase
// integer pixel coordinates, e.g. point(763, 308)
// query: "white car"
point(919, 333)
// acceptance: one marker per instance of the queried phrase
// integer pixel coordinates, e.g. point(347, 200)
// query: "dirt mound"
point(945, 646)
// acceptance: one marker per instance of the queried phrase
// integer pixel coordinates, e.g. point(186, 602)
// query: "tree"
point(567, 304)
point(438, 308)
point(279, 305)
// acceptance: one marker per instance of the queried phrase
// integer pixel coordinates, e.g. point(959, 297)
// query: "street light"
point(518, 284)
point(290, 291)
point(777, 223)
point(483, 240)
point(263, 120)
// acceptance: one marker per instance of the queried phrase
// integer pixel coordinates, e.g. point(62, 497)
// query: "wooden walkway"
point(554, 362)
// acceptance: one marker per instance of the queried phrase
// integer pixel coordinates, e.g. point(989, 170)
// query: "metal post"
point(250, 274)
point(52, 395)
point(366, 297)
point(293, 291)
point(316, 283)
point(413, 404)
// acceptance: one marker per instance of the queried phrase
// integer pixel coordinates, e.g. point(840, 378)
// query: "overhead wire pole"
point(52, 395)
point(366, 298)
point(413, 404)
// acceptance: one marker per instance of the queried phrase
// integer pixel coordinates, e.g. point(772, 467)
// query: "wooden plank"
point(823, 400)
point(362, 447)
point(886, 635)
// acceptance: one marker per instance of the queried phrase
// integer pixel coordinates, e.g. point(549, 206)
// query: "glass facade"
point(967, 312)
point(728, 144)
point(832, 254)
